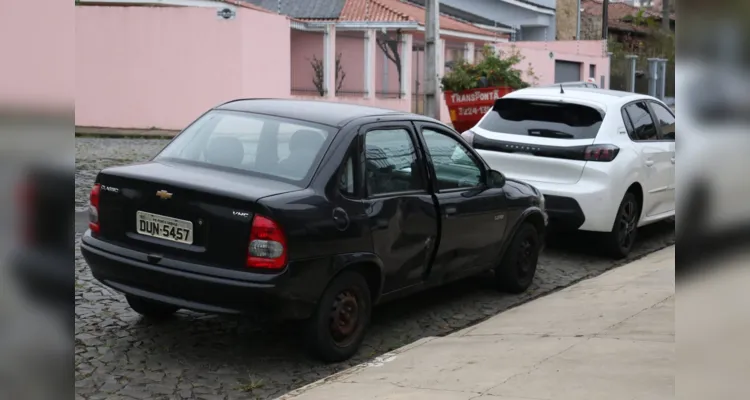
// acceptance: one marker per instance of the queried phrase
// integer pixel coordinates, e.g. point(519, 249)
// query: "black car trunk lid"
point(209, 210)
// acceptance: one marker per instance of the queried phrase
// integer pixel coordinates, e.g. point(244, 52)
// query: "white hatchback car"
point(604, 159)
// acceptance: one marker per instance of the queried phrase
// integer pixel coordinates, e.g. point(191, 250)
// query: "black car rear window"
point(274, 147)
point(543, 119)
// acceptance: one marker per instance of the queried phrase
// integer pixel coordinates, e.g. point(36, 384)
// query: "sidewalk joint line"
point(535, 366)
point(634, 315)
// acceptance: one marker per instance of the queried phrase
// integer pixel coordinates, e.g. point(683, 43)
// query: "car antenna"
point(561, 89)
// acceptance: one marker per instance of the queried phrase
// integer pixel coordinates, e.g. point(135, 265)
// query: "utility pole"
point(432, 38)
point(605, 19)
point(578, 22)
point(665, 20)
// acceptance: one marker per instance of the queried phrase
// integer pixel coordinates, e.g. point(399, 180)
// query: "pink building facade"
point(161, 67)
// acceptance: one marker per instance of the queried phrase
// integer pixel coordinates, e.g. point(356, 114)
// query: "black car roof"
point(321, 112)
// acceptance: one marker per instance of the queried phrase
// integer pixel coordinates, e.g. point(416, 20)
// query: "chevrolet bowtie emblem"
point(164, 195)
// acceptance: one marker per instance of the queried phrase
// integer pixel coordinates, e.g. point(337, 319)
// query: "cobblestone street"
point(194, 356)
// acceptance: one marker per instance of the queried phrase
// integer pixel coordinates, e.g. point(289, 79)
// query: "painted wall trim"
point(495, 29)
point(530, 7)
point(464, 35)
point(352, 25)
point(184, 3)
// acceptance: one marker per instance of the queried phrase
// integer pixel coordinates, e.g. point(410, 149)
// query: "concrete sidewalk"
point(610, 337)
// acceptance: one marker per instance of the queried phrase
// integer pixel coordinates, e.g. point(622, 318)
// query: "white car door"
point(666, 121)
point(656, 170)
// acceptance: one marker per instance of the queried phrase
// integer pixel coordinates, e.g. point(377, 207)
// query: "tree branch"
point(389, 47)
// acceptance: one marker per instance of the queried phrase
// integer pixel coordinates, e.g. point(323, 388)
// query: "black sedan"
point(309, 211)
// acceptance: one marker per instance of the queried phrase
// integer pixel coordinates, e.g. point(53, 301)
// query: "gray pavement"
point(611, 337)
point(195, 356)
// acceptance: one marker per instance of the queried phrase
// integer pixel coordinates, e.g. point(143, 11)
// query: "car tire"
point(516, 270)
point(619, 241)
point(337, 329)
point(149, 308)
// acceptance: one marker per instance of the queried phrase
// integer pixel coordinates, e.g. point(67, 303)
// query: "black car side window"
point(643, 126)
point(454, 166)
point(391, 162)
point(665, 119)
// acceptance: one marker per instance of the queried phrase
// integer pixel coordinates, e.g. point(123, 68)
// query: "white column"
point(370, 67)
point(329, 61)
point(406, 64)
point(469, 52)
point(440, 73)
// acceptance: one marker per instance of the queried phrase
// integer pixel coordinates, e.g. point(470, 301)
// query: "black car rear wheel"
point(518, 266)
point(149, 308)
point(338, 327)
point(619, 242)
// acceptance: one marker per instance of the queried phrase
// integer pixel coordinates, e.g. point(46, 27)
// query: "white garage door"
point(567, 71)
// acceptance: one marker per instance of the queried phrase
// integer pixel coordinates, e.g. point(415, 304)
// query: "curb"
point(124, 133)
point(375, 362)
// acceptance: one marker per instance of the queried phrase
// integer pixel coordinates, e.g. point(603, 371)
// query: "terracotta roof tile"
point(617, 11)
point(371, 10)
point(449, 23)
point(399, 11)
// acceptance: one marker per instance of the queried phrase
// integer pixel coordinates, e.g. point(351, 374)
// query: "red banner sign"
point(469, 106)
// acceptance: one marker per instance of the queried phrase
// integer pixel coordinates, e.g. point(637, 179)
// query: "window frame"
point(651, 104)
point(626, 118)
point(355, 154)
point(483, 168)
point(384, 126)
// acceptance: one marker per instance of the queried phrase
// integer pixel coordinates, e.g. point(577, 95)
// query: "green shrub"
point(492, 71)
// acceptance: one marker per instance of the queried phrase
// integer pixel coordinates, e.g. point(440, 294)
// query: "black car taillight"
point(94, 209)
point(268, 248)
point(600, 152)
point(468, 137)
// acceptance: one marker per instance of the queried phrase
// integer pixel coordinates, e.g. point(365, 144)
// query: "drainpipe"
point(578, 23)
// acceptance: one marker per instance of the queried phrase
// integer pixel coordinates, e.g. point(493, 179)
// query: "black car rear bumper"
point(177, 283)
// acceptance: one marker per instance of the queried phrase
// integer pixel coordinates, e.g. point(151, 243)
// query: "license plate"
point(159, 226)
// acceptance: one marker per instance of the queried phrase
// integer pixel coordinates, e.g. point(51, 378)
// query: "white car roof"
point(603, 97)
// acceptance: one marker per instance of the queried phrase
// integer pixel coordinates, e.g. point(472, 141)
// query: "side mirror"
point(495, 179)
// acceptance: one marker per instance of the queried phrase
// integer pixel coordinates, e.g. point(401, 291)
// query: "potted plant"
point(471, 89)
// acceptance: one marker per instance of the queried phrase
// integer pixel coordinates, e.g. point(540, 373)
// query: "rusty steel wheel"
point(336, 330)
point(344, 318)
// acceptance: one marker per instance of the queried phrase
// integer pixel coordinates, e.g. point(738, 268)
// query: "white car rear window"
point(543, 119)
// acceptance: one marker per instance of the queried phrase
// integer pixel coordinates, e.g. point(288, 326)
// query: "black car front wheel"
point(516, 271)
point(337, 328)
point(149, 308)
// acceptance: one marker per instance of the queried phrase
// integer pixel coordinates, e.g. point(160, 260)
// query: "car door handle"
point(649, 163)
point(450, 210)
point(672, 160)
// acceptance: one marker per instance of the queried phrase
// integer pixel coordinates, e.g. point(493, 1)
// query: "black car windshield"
point(280, 148)
point(543, 119)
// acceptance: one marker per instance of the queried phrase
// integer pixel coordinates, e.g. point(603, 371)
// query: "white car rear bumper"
point(584, 206)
